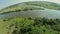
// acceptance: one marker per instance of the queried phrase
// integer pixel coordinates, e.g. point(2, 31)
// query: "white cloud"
point(56, 1)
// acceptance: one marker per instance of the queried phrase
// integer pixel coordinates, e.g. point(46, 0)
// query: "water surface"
point(47, 13)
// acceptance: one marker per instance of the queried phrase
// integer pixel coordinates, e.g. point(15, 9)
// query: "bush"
point(36, 26)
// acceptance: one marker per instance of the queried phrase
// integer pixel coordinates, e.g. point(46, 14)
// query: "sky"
point(5, 3)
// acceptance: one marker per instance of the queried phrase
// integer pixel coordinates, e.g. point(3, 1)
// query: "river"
point(47, 13)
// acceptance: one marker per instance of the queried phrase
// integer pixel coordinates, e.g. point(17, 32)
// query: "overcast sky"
point(5, 3)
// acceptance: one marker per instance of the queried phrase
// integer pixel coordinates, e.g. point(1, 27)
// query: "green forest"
point(32, 25)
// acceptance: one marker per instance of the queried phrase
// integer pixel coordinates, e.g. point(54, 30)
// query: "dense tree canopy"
point(36, 26)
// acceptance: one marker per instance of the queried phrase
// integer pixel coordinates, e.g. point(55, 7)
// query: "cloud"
point(56, 1)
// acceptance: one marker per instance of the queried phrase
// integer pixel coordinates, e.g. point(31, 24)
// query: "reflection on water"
point(48, 13)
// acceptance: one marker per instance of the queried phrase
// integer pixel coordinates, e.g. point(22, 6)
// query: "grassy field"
point(19, 8)
point(29, 26)
point(32, 5)
point(49, 5)
point(4, 26)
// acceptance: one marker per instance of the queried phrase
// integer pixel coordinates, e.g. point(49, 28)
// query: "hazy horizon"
point(5, 3)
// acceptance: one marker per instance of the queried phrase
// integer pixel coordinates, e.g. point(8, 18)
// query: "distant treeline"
point(49, 5)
